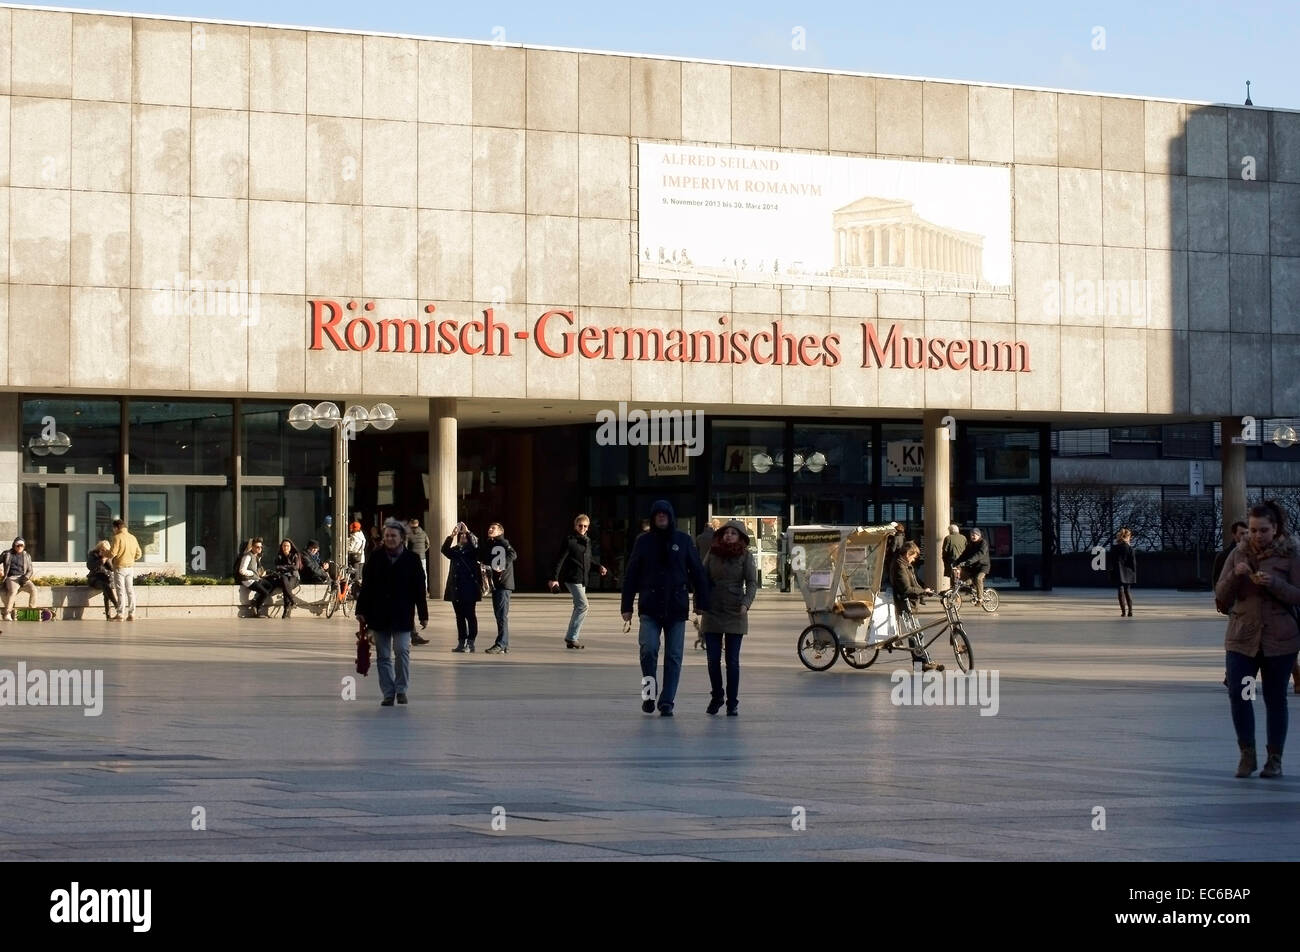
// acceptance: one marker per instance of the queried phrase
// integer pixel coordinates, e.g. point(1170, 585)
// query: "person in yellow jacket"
point(125, 553)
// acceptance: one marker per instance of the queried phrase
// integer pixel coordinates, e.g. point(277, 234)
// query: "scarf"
point(728, 550)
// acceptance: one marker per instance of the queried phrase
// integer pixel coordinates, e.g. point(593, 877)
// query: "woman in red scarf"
point(734, 580)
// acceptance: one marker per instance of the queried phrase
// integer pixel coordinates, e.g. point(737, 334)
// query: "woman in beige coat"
point(1259, 585)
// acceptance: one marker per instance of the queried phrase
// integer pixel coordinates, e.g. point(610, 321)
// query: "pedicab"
point(838, 570)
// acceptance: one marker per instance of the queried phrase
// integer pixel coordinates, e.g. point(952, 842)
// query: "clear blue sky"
point(1192, 50)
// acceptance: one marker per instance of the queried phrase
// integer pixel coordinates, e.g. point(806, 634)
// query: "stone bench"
point(72, 602)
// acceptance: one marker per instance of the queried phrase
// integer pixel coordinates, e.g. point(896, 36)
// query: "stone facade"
point(150, 153)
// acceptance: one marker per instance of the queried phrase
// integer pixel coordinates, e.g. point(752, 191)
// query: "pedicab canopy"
point(838, 563)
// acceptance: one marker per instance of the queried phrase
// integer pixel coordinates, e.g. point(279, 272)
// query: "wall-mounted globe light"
point(326, 415)
point(797, 464)
point(761, 463)
point(382, 416)
point(358, 417)
point(1284, 436)
point(816, 462)
point(300, 416)
point(57, 445)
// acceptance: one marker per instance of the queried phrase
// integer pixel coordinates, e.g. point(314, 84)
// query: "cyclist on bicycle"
point(907, 593)
point(974, 563)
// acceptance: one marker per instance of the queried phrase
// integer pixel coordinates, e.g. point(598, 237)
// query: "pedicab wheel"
point(859, 656)
point(991, 600)
point(818, 647)
point(961, 649)
point(331, 602)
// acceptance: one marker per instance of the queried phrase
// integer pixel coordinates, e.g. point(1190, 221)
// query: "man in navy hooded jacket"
point(663, 563)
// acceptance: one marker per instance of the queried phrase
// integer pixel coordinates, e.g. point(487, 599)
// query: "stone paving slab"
point(246, 718)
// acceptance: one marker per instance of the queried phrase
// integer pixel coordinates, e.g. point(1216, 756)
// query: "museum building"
point(861, 298)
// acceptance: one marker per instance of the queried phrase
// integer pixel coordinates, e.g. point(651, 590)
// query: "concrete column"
point(1234, 474)
point(11, 465)
point(443, 496)
point(938, 510)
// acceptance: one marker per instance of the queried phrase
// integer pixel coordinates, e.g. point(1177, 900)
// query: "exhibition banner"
point(777, 218)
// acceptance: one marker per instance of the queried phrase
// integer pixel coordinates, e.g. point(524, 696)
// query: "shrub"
point(51, 580)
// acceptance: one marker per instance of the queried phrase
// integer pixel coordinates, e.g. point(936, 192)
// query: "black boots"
point(1273, 766)
point(1246, 766)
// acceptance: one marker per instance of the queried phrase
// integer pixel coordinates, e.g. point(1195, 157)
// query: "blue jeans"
point(579, 593)
point(384, 644)
point(501, 608)
point(674, 634)
point(713, 642)
point(1276, 672)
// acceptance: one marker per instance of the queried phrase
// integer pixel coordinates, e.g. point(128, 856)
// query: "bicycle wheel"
point(331, 601)
point(961, 649)
point(859, 656)
point(817, 647)
point(346, 603)
point(991, 600)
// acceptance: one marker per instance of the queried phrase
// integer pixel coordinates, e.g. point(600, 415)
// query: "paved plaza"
point(246, 720)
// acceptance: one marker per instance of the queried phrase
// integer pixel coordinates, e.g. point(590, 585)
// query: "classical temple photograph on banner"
point(790, 218)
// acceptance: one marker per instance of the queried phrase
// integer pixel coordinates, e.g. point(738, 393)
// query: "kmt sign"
point(669, 461)
point(904, 458)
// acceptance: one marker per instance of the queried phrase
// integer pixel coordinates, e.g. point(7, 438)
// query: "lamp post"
point(345, 425)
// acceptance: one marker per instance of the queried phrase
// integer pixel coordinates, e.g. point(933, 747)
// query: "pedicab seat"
point(854, 611)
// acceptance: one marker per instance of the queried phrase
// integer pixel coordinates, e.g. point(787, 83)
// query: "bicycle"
point(966, 590)
point(342, 592)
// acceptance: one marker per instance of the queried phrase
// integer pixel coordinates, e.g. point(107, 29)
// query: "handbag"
point(485, 581)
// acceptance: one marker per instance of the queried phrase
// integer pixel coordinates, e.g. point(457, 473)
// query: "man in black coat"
point(573, 569)
point(1236, 534)
point(392, 593)
point(663, 564)
point(499, 557)
point(974, 563)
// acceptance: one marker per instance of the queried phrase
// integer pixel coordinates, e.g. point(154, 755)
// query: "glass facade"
point(65, 437)
point(181, 438)
point(181, 485)
point(192, 508)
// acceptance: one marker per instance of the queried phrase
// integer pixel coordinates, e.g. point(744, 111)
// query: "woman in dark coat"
point(1259, 588)
point(733, 579)
point(1123, 569)
point(99, 574)
point(288, 566)
point(464, 584)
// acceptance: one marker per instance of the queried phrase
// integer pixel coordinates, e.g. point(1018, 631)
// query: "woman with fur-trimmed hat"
point(1260, 587)
point(730, 567)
